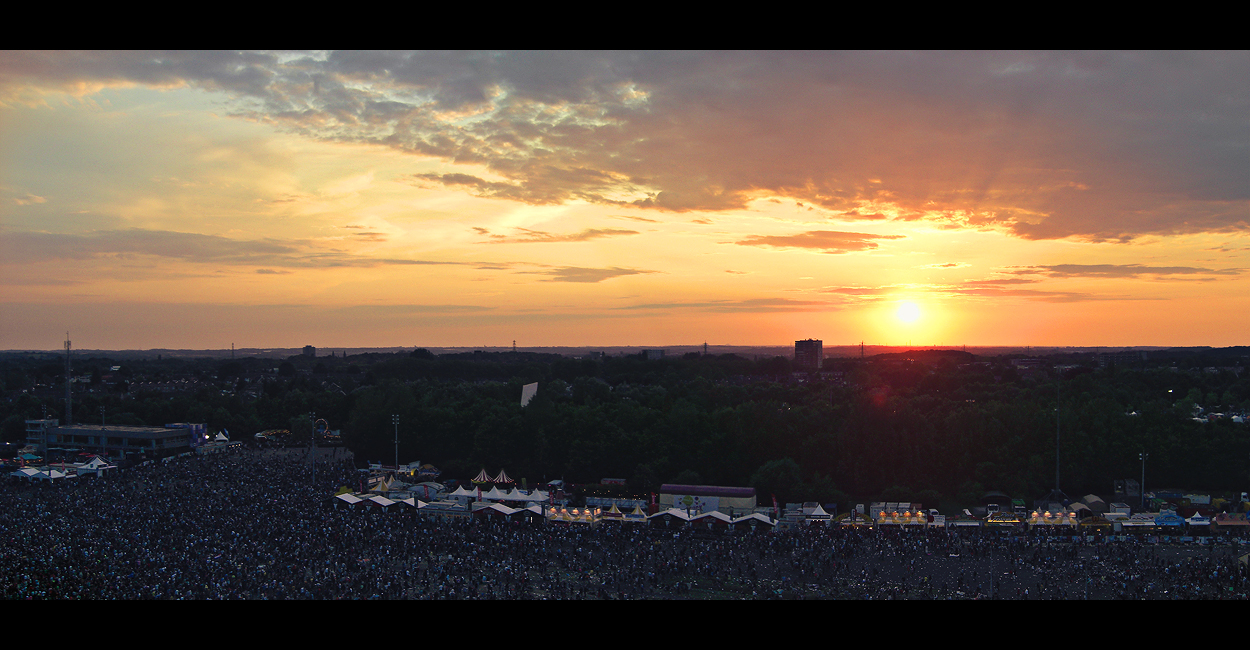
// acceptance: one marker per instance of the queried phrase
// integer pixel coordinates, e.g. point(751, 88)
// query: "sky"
point(197, 200)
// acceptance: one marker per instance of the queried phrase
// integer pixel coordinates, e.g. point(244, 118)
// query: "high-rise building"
point(808, 354)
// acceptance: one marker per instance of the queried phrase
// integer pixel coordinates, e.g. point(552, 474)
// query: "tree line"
point(936, 428)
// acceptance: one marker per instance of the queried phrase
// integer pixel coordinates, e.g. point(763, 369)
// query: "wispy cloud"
point(583, 274)
point(825, 241)
point(751, 305)
point(945, 265)
point(528, 236)
point(993, 288)
point(1116, 270)
point(29, 199)
point(30, 247)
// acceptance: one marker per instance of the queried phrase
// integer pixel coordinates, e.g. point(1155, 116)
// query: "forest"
point(935, 426)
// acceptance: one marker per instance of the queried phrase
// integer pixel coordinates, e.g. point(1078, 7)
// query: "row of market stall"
point(673, 517)
point(95, 466)
point(1064, 520)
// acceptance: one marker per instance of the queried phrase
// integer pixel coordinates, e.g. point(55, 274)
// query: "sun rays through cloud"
point(1046, 198)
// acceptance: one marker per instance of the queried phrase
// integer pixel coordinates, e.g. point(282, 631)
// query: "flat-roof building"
point(117, 441)
point(808, 354)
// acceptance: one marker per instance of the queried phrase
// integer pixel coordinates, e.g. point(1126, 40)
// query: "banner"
point(695, 504)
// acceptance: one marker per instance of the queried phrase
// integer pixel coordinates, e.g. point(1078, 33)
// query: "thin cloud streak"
point(1117, 270)
point(31, 247)
point(825, 241)
point(583, 274)
point(753, 305)
point(528, 236)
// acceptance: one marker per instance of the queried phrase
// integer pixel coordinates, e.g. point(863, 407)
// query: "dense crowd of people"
point(256, 524)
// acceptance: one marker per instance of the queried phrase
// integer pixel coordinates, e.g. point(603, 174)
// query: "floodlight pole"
point(395, 421)
point(312, 445)
point(1142, 488)
point(1058, 407)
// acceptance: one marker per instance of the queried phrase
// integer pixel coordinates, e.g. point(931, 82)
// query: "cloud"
point(1102, 146)
point(1117, 270)
point(825, 241)
point(994, 282)
point(414, 310)
point(752, 305)
point(992, 291)
point(859, 291)
point(992, 288)
point(946, 265)
point(33, 247)
point(539, 237)
point(582, 274)
point(29, 199)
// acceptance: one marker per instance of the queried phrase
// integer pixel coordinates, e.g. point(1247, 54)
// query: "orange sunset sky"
point(362, 199)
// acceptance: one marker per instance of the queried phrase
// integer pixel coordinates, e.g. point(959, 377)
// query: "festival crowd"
point(259, 525)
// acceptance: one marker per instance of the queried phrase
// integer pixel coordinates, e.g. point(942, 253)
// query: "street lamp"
point(312, 445)
point(395, 421)
point(1143, 456)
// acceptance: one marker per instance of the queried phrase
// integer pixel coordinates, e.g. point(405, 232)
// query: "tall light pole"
point(312, 445)
point(395, 421)
point(1058, 407)
point(1143, 456)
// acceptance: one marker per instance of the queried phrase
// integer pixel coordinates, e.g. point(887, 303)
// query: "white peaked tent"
point(711, 518)
point(348, 498)
point(818, 514)
point(381, 500)
point(33, 474)
point(95, 466)
point(679, 515)
point(495, 494)
point(494, 507)
point(221, 438)
point(755, 518)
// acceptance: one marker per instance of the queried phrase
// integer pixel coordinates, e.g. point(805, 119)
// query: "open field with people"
point(252, 524)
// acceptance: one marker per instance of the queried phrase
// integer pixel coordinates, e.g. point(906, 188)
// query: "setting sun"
point(908, 312)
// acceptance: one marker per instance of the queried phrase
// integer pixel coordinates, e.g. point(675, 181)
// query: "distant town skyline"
point(191, 200)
